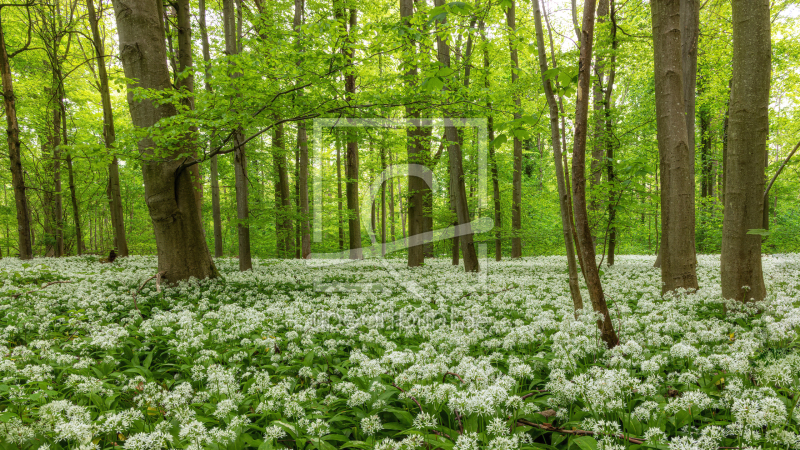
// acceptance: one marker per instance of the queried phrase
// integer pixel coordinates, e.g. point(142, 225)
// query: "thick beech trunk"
point(742, 277)
point(677, 251)
point(169, 190)
point(590, 270)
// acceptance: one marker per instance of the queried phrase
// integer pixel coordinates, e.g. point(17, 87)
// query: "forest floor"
point(374, 355)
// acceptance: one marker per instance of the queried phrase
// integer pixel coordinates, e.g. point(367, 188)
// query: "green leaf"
point(148, 360)
point(586, 443)
point(758, 231)
point(432, 84)
point(444, 72)
point(499, 140)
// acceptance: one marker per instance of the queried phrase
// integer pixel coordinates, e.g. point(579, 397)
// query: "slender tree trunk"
point(590, 270)
point(599, 144)
point(457, 186)
point(283, 203)
point(339, 192)
point(383, 202)
point(742, 276)
point(25, 244)
point(391, 197)
point(169, 190)
point(609, 145)
point(55, 148)
point(498, 216)
point(186, 83)
point(563, 198)
point(109, 137)
point(416, 185)
point(516, 183)
point(232, 46)
point(351, 169)
point(690, 34)
point(216, 214)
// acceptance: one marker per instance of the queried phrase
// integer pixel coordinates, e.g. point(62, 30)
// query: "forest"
point(397, 225)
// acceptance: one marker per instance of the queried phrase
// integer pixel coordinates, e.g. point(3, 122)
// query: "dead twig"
point(550, 427)
point(531, 394)
point(410, 396)
point(460, 426)
point(453, 374)
point(15, 296)
point(157, 277)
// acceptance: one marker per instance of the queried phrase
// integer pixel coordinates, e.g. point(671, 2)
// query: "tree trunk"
point(391, 197)
point(414, 151)
point(498, 242)
point(302, 144)
point(339, 192)
point(55, 148)
point(563, 199)
point(25, 244)
point(677, 252)
point(283, 201)
point(742, 277)
point(609, 132)
point(76, 219)
point(516, 183)
point(232, 38)
point(690, 34)
point(457, 186)
point(351, 169)
point(599, 144)
point(169, 192)
point(216, 215)
point(590, 270)
point(383, 202)
point(109, 137)
point(186, 83)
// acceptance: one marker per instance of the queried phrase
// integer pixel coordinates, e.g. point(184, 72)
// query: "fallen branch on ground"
point(15, 296)
point(549, 427)
point(158, 288)
point(410, 396)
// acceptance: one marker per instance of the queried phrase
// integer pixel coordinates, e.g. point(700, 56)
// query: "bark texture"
point(169, 192)
point(113, 191)
point(232, 38)
point(676, 157)
point(590, 270)
point(414, 152)
point(516, 190)
point(742, 277)
point(563, 199)
point(457, 187)
point(216, 215)
point(25, 244)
